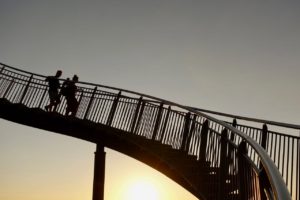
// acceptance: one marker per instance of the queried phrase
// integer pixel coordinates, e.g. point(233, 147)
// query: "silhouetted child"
point(69, 90)
point(54, 95)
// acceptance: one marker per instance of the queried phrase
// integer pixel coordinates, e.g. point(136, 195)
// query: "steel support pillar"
point(99, 173)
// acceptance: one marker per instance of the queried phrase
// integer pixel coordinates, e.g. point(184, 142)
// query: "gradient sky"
point(240, 57)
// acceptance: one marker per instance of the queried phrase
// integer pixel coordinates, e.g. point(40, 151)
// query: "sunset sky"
point(240, 57)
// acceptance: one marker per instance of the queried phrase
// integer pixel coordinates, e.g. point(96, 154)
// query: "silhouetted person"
point(54, 95)
point(64, 87)
point(69, 90)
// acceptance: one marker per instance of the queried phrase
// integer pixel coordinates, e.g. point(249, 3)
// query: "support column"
point(99, 173)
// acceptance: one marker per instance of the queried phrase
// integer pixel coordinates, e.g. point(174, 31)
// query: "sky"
point(236, 56)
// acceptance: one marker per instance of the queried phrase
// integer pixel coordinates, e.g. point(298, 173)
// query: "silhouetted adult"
point(69, 91)
point(54, 95)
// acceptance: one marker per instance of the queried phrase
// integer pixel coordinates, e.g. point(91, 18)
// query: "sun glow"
point(142, 190)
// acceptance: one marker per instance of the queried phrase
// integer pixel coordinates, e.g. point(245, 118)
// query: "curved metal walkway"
point(209, 157)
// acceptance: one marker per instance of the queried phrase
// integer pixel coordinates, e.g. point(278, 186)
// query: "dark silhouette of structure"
point(212, 159)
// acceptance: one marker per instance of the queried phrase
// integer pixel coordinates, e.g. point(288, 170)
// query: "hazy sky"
point(240, 57)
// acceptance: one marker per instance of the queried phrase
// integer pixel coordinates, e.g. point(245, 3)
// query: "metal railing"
point(231, 162)
point(280, 140)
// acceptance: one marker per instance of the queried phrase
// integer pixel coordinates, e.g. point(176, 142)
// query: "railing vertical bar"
point(179, 124)
point(173, 130)
point(211, 148)
point(241, 152)
point(130, 105)
point(100, 107)
point(34, 97)
point(157, 121)
point(214, 146)
point(191, 133)
point(103, 109)
point(223, 172)
point(167, 130)
point(26, 88)
point(109, 104)
point(79, 101)
point(133, 113)
point(197, 140)
point(170, 129)
point(271, 144)
point(128, 113)
point(298, 169)
point(119, 111)
point(154, 113)
point(113, 109)
point(203, 144)
point(148, 121)
point(135, 117)
point(102, 104)
point(275, 152)
point(95, 108)
point(138, 123)
point(165, 124)
point(292, 167)
point(283, 157)
point(145, 120)
point(94, 112)
point(287, 161)
point(122, 109)
point(8, 88)
point(252, 135)
point(176, 139)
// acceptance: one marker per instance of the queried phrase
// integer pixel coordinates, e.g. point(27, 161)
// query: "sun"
point(141, 190)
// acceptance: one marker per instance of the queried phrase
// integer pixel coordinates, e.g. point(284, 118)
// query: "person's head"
point(75, 78)
point(58, 73)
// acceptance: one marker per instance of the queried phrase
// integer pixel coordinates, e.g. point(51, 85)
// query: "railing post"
point(265, 186)
point(136, 112)
point(204, 133)
point(87, 111)
point(191, 130)
point(234, 124)
point(242, 152)
point(186, 131)
point(158, 120)
point(139, 117)
point(264, 136)
point(223, 165)
point(165, 123)
point(25, 90)
point(113, 110)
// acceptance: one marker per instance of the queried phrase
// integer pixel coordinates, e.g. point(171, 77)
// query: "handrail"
point(280, 124)
point(276, 181)
point(280, 140)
